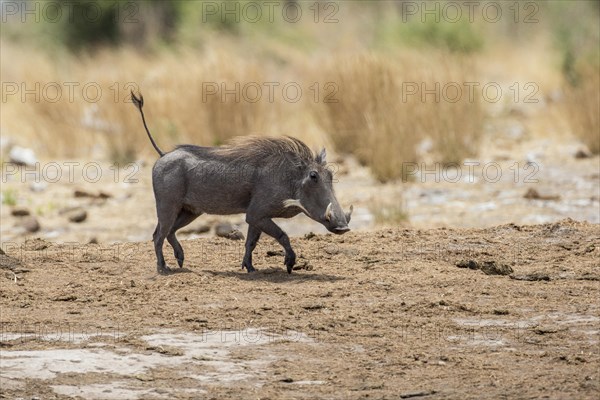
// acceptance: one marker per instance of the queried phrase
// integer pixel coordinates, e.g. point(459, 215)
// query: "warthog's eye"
point(314, 176)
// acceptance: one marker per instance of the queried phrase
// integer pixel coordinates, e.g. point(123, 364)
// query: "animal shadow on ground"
point(275, 275)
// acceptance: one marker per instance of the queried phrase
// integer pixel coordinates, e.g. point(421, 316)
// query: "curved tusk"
point(349, 213)
point(328, 213)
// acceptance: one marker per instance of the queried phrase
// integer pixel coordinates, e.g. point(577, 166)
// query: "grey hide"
point(265, 178)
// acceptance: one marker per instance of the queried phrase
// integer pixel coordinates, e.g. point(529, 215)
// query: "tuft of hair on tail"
point(137, 101)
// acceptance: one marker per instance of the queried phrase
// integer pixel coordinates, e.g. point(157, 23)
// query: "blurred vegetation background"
point(355, 62)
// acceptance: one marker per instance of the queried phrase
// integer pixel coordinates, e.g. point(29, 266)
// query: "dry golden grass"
point(384, 110)
point(582, 108)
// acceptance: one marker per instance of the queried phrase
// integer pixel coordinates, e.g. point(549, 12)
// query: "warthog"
point(263, 177)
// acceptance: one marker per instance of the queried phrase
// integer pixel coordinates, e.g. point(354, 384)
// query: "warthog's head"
point(317, 198)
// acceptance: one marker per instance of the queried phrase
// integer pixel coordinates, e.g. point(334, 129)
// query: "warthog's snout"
point(340, 230)
point(337, 222)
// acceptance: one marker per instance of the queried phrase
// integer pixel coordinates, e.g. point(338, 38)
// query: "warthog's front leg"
point(270, 228)
point(251, 241)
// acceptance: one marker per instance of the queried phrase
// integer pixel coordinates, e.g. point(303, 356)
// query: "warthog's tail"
point(139, 103)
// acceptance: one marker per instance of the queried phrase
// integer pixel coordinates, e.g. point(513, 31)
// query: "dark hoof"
point(248, 267)
point(290, 261)
point(163, 270)
point(180, 262)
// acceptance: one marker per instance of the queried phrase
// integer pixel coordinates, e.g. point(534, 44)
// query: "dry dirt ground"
point(383, 314)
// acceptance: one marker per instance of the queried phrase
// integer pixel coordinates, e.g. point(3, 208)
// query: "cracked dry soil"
point(379, 315)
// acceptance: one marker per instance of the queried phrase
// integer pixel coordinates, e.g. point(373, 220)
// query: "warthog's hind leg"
point(183, 218)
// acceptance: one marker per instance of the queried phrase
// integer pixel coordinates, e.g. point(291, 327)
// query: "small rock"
point(19, 212)
point(309, 235)
point(533, 194)
point(223, 229)
point(303, 265)
point(22, 156)
point(543, 330)
point(77, 215)
point(537, 276)
point(144, 377)
point(8, 262)
point(313, 306)
point(66, 297)
point(100, 195)
point(422, 393)
point(93, 240)
point(30, 224)
point(581, 153)
point(36, 244)
point(38, 186)
point(236, 235)
point(468, 264)
point(488, 267)
point(494, 268)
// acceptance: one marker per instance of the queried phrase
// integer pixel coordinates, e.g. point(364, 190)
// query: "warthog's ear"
point(322, 157)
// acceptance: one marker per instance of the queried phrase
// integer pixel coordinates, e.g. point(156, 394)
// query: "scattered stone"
point(422, 393)
point(311, 307)
point(144, 377)
point(488, 267)
point(493, 268)
point(99, 195)
point(468, 264)
point(22, 156)
point(19, 212)
point(236, 235)
point(35, 244)
point(271, 253)
point(500, 312)
point(67, 297)
point(226, 230)
point(223, 229)
point(38, 186)
point(305, 265)
point(30, 224)
point(93, 240)
point(543, 330)
point(309, 235)
point(8, 262)
point(536, 276)
point(77, 215)
point(583, 153)
point(533, 194)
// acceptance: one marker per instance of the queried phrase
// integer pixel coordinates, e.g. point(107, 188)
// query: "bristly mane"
point(257, 150)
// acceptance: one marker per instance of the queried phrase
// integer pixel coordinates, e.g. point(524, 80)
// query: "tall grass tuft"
point(582, 106)
point(384, 110)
